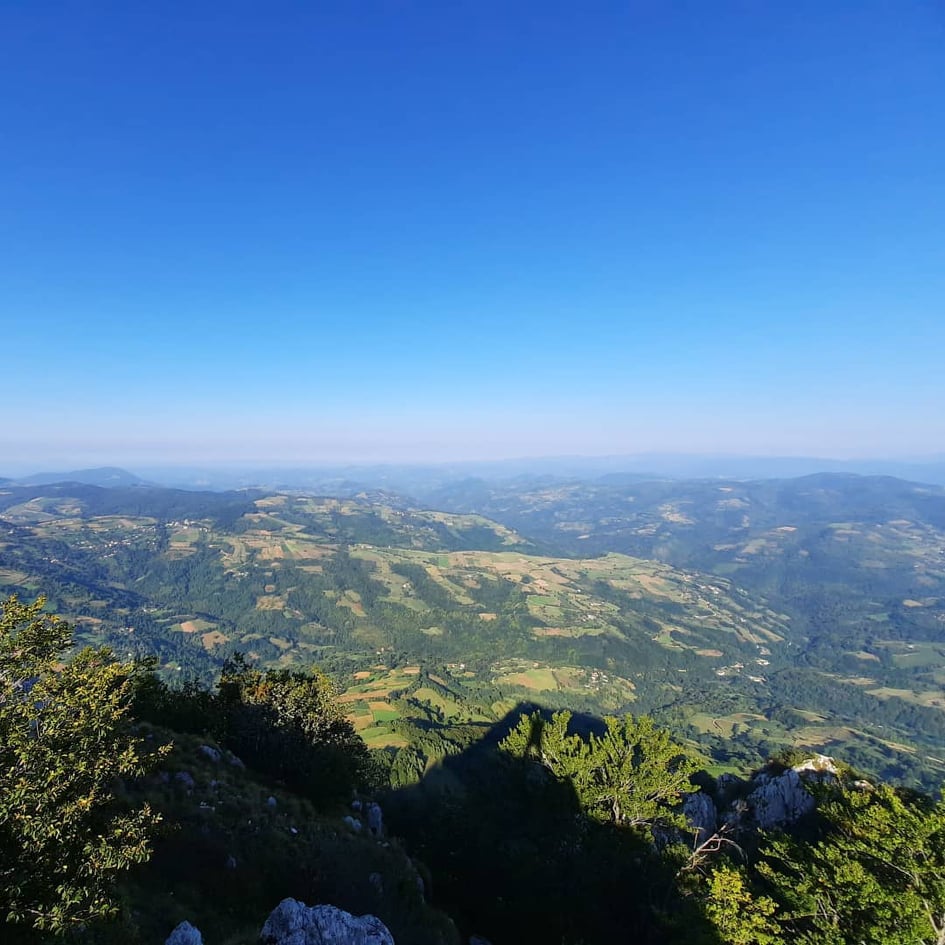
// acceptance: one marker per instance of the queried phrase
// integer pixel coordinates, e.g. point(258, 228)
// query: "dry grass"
point(270, 602)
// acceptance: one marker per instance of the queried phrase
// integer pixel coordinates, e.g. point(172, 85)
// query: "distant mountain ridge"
point(423, 479)
point(105, 476)
point(420, 478)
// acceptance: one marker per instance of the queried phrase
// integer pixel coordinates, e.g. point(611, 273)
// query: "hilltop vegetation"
point(64, 741)
point(112, 823)
point(557, 832)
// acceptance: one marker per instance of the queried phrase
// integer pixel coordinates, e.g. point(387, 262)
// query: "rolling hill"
point(750, 615)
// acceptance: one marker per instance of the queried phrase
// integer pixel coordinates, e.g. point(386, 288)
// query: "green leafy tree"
point(289, 724)
point(632, 775)
point(875, 873)
point(64, 745)
point(740, 917)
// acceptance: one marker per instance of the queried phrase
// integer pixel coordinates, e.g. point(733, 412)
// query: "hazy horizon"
point(428, 233)
point(677, 465)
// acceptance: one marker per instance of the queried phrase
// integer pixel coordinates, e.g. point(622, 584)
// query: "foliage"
point(64, 743)
point(740, 918)
point(876, 873)
point(229, 854)
point(289, 725)
point(632, 775)
point(286, 724)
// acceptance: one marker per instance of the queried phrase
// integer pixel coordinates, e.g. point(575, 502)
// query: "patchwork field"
point(610, 691)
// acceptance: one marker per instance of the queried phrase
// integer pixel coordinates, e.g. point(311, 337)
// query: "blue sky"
point(427, 230)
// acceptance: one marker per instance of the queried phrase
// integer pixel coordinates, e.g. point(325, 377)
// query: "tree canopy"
point(64, 745)
point(290, 725)
point(634, 774)
point(875, 873)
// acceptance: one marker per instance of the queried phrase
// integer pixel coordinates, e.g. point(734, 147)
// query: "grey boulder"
point(184, 934)
point(294, 923)
point(779, 800)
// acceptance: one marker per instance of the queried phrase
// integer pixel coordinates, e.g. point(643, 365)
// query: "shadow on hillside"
point(514, 859)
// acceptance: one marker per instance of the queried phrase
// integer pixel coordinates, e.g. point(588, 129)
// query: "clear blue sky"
point(424, 230)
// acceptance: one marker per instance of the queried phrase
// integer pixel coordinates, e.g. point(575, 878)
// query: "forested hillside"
point(749, 616)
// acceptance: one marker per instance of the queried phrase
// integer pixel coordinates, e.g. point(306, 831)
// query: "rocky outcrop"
point(294, 923)
point(770, 800)
point(779, 800)
point(375, 819)
point(208, 751)
point(184, 934)
point(700, 813)
point(818, 765)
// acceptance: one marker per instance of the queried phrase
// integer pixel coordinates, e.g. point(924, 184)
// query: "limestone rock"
point(779, 800)
point(184, 934)
point(819, 765)
point(375, 819)
point(208, 751)
point(700, 813)
point(294, 923)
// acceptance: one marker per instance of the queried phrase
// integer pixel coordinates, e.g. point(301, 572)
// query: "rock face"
point(767, 801)
point(184, 934)
point(294, 923)
point(375, 819)
point(820, 765)
point(779, 800)
point(700, 813)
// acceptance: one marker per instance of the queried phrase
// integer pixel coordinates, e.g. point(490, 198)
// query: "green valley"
point(742, 613)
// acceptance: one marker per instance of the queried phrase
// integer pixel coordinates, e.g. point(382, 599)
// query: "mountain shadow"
point(513, 857)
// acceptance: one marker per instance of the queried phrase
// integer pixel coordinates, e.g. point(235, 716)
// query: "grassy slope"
point(227, 856)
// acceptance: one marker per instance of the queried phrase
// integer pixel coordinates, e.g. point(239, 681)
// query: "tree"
point(739, 917)
point(632, 775)
point(875, 873)
point(64, 744)
point(289, 725)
